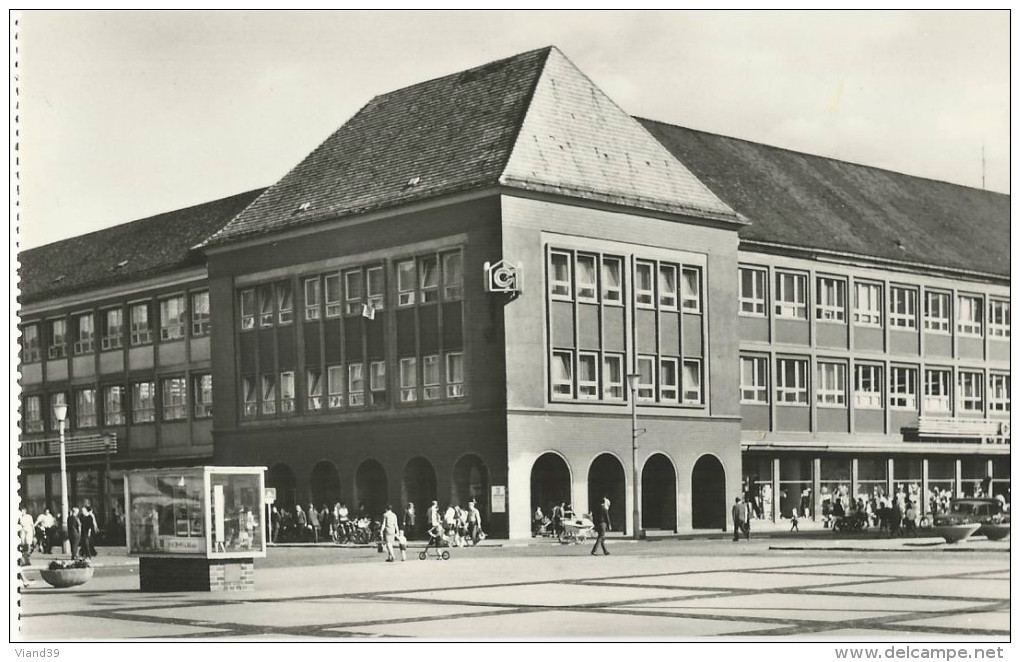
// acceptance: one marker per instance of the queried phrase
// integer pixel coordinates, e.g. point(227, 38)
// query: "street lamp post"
point(632, 383)
point(60, 411)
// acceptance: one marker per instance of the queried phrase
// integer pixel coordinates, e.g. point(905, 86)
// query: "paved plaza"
point(667, 590)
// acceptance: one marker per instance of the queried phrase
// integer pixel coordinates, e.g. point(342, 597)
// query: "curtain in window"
point(429, 274)
point(561, 367)
point(586, 273)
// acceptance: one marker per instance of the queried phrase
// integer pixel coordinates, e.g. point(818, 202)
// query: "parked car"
point(959, 521)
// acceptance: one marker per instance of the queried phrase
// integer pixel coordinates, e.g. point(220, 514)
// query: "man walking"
point(409, 520)
point(474, 521)
point(88, 527)
point(602, 525)
point(74, 531)
point(739, 512)
point(389, 531)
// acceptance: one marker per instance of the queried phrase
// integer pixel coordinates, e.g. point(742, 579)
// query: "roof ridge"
point(818, 156)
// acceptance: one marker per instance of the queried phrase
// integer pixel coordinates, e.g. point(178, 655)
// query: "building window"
point(998, 393)
point(692, 382)
point(831, 300)
point(644, 295)
point(199, 314)
point(791, 381)
point(313, 299)
point(868, 304)
point(587, 376)
point(669, 388)
point(58, 398)
point(30, 343)
point(268, 394)
point(265, 298)
point(284, 302)
point(830, 391)
point(247, 309)
point(455, 375)
point(690, 289)
point(86, 334)
point(752, 291)
point(58, 339)
point(667, 287)
point(171, 318)
point(754, 380)
point(646, 379)
point(612, 280)
point(406, 286)
point(250, 396)
point(562, 374)
point(332, 286)
point(791, 295)
point(408, 379)
point(938, 391)
point(335, 380)
point(313, 389)
point(867, 386)
point(587, 280)
point(113, 405)
point(356, 384)
point(902, 388)
point(85, 408)
point(353, 287)
point(612, 377)
point(428, 278)
point(377, 382)
point(287, 392)
point(968, 315)
point(143, 402)
point(376, 287)
point(902, 308)
point(33, 414)
point(430, 377)
point(141, 330)
point(936, 312)
point(113, 328)
point(559, 276)
point(998, 318)
point(970, 390)
point(453, 276)
point(203, 396)
point(175, 399)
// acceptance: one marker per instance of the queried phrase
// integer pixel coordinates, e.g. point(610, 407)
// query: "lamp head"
point(60, 411)
point(632, 380)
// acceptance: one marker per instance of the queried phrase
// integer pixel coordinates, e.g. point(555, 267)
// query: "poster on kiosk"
point(208, 512)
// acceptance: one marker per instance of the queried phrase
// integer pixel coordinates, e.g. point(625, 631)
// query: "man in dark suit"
point(88, 527)
point(602, 524)
point(74, 531)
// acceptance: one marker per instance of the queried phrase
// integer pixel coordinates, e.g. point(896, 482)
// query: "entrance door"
point(371, 485)
point(708, 494)
point(419, 487)
point(658, 494)
point(607, 479)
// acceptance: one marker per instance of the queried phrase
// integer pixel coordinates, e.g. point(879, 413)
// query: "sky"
point(123, 115)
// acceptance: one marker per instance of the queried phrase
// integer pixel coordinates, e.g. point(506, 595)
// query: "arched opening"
point(708, 494)
point(471, 481)
point(325, 484)
point(606, 478)
point(370, 483)
point(550, 483)
point(418, 487)
point(658, 494)
point(281, 477)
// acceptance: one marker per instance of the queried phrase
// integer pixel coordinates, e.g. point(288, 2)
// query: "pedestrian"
point(537, 522)
point(274, 518)
point(26, 535)
point(474, 520)
point(748, 512)
point(557, 518)
point(345, 523)
point(738, 513)
point(602, 525)
point(793, 522)
point(44, 525)
point(389, 531)
point(300, 522)
point(88, 528)
point(432, 515)
point(409, 520)
point(402, 544)
point(313, 522)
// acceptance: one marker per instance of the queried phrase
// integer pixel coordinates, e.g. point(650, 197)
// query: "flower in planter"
point(69, 565)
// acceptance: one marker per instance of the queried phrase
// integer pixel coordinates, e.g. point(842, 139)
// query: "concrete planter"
point(995, 531)
point(956, 532)
point(67, 577)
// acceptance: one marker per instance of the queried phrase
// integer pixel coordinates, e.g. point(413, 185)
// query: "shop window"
point(335, 381)
point(830, 300)
point(752, 291)
point(58, 339)
point(143, 402)
point(754, 380)
point(268, 395)
point(587, 285)
point(938, 391)
point(867, 386)
point(58, 398)
point(669, 388)
point(113, 405)
point(693, 393)
point(791, 295)
point(377, 382)
point(32, 408)
point(313, 389)
point(30, 343)
point(430, 377)
point(562, 374)
point(998, 393)
point(113, 328)
point(203, 396)
point(690, 289)
point(587, 376)
point(612, 377)
point(968, 315)
point(353, 287)
point(331, 283)
point(428, 279)
point(791, 381)
point(936, 312)
point(406, 285)
point(249, 394)
point(199, 314)
point(287, 392)
point(667, 287)
point(175, 399)
point(356, 384)
point(902, 308)
point(867, 304)
point(453, 276)
point(284, 302)
point(644, 287)
point(85, 408)
point(171, 318)
point(830, 391)
point(559, 276)
point(86, 334)
point(612, 280)
point(408, 379)
point(313, 299)
point(902, 388)
point(247, 309)
point(970, 390)
point(998, 318)
point(265, 298)
point(455, 375)
point(646, 379)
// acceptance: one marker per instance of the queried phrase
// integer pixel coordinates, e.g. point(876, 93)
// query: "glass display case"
point(208, 512)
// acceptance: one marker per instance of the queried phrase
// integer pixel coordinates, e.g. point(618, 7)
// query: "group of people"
point(552, 524)
point(43, 533)
point(313, 524)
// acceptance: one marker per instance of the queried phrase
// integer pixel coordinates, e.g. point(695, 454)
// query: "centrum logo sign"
point(502, 277)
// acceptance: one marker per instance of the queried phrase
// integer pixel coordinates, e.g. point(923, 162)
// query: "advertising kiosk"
point(197, 528)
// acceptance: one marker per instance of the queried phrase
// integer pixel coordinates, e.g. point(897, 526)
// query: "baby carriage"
point(576, 529)
point(436, 540)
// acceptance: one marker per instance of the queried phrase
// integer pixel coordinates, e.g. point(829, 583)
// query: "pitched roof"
point(530, 121)
point(143, 248)
point(816, 202)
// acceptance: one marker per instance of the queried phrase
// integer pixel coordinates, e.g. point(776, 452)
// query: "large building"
point(499, 285)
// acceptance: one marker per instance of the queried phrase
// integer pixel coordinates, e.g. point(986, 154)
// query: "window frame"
point(353, 301)
point(172, 325)
point(336, 386)
point(83, 418)
point(700, 372)
point(313, 389)
point(970, 391)
point(356, 396)
point(171, 410)
point(941, 380)
point(942, 323)
point(969, 318)
point(406, 292)
point(283, 297)
point(870, 398)
point(644, 297)
point(669, 393)
point(333, 307)
point(268, 394)
point(33, 421)
point(199, 313)
point(141, 415)
point(85, 341)
point(667, 292)
point(794, 308)
point(830, 384)
point(613, 390)
point(140, 333)
point(905, 399)
point(830, 299)
point(758, 387)
point(455, 387)
point(56, 350)
point(201, 405)
point(377, 383)
point(560, 289)
point(408, 375)
point(246, 304)
point(871, 316)
point(588, 389)
point(288, 391)
point(375, 289)
point(311, 290)
point(265, 300)
point(453, 288)
point(690, 302)
point(250, 405)
point(902, 312)
point(561, 387)
point(612, 295)
point(645, 391)
point(998, 320)
point(114, 415)
point(999, 395)
point(757, 299)
point(586, 291)
point(31, 348)
point(431, 390)
point(800, 387)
